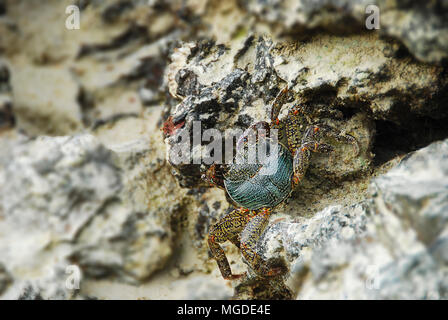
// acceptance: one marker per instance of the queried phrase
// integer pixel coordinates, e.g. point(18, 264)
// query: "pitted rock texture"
point(111, 68)
point(230, 87)
point(421, 26)
point(81, 206)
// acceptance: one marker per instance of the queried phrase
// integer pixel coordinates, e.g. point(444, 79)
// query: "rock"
point(139, 35)
point(111, 67)
point(416, 192)
point(5, 279)
point(230, 86)
point(66, 198)
point(49, 104)
point(422, 27)
point(201, 288)
point(71, 200)
point(413, 222)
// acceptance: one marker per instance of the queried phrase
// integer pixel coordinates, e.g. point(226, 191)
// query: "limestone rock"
point(72, 201)
point(422, 27)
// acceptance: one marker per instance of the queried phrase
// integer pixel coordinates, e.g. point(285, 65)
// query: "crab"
point(255, 195)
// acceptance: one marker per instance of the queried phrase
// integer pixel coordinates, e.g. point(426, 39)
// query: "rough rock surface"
point(390, 246)
point(408, 21)
point(82, 207)
point(85, 180)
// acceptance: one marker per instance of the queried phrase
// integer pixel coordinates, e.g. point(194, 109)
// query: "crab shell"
point(265, 185)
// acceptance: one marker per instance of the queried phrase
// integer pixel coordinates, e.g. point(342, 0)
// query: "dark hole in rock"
point(7, 119)
point(87, 105)
point(394, 139)
point(114, 11)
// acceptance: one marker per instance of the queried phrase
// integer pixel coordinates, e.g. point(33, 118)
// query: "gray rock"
point(416, 192)
point(72, 201)
point(422, 27)
point(203, 288)
point(40, 185)
point(5, 279)
point(95, 74)
point(340, 251)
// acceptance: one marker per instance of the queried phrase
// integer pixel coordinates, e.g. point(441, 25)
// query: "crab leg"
point(249, 238)
point(302, 157)
point(317, 131)
point(310, 144)
point(279, 101)
point(228, 228)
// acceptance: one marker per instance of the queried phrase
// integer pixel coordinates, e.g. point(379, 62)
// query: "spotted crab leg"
point(249, 238)
point(228, 228)
point(277, 104)
point(317, 131)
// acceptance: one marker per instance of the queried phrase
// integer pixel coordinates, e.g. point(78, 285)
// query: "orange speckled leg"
point(277, 104)
point(228, 228)
point(310, 143)
point(249, 238)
